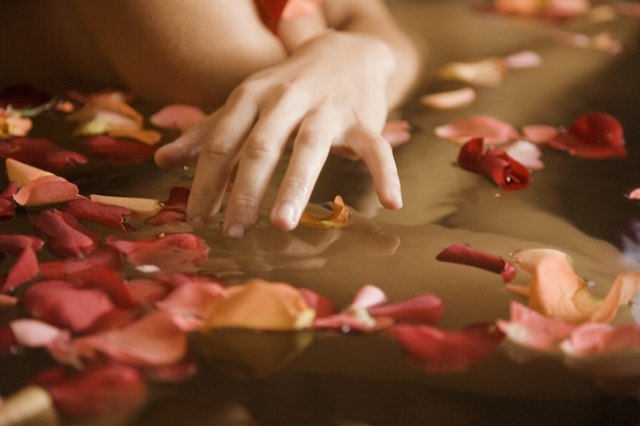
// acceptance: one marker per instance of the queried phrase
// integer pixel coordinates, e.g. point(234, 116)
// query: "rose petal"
point(261, 305)
point(177, 116)
point(174, 210)
point(489, 72)
point(154, 339)
point(147, 291)
point(496, 164)
point(32, 333)
point(118, 152)
point(367, 297)
point(527, 260)
point(189, 303)
point(322, 305)
point(440, 351)
point(532, 330)
point(66, 237)
point(147, 137)
point(22, 173)
point(524, 59)
point(23, 270)
point(61, 304)
point(423, 309)
point(525, 153)
point(466, 255)
point(114, 217)
point(624, 288)
point(142, 207)
point(100, 390)
point(173, 252)
point(105, 256)
point(46, 190)
point(340, 217)
point(596, 339)
point(493, 131)
point(16, 243)
point(40, 152)
point(106, 279)
point(634, 194)
point(453, 99)
point(7, 204)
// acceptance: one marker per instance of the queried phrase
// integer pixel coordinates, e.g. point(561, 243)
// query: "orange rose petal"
point(621, 292)
point(177, 116)
point(22, 173)
point(147, 137)
point(143, 207)
point(452, 99)
point(46, 190)
point(261, 305)
point(338, 219)
point(486, 72)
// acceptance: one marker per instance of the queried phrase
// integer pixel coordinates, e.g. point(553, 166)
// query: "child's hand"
point(329, 95)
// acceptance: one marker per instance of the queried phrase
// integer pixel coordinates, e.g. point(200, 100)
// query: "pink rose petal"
point(539, 133)
point(466, 255)
point(368, 296)
point(114, 217)
point(106, 279)
point(105, 256)
point(596, 339)
point(60, 304)
point(495, 164)
point(66, 237)
point(423, 309)
point(32, 333)
point(148, 291)
point(493, 131)
point(23, 270)
point(16, 243)
point(440, 351)
point(155, 339)
point(189, 303)
point(525, 153)
point(634, 194)
point(177, 116)
point(110, 389)
point(396, 132)
point(46, 190)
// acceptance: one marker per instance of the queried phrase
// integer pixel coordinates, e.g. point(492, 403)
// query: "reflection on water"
point(575, 205)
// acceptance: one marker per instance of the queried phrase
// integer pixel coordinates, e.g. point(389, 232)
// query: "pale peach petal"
point(524, 59)
point(493, 131)
point(147, 137)
point(525, 153)
point(539, 133)
point(621, 292)
point(527, 260)
point(460, 98)
point(32, 333)
point(634, 195)
point(46, 190)
point(143, 207)
point(177, 116)
point(22, 173)
point(261, 305)
point(368, 296)
point(486, 72)
point(189, 303)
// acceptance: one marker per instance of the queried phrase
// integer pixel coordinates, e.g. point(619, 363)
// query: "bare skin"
point(326, 91)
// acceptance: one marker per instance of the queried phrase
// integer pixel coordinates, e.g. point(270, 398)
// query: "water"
point(574, 205)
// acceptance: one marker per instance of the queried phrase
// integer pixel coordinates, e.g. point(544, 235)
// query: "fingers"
point(220, 151)
point(310, 150)
point(377, 154)
point(259, 157)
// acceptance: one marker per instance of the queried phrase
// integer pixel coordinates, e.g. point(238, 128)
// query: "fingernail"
point(196, 222)
point(235, 231)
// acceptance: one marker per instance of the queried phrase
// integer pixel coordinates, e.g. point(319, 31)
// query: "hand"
point(329, 95)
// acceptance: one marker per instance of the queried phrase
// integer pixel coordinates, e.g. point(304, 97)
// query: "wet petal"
point(105, 256)
point(7, 203)
point(592, 135)
point(171, 252)
point(155, 339)
point(453, 99)
point(440, 351)
point(118, 152)
point(174, 210)
point(532, 330)
point(466, 255)
point(261, 305)
point(338, 219)
point(423, 309)
point(32, 333)
point(539, 133)
point(493, 131)
point(177, 116)
point(142, 207)
point(100, 390)
point(114, 217)
point(22, 173)
point(525, 153)
point(60, 304)
point(596, 339)
point(40, 152)
point(189, 303)
point(66, 237)
point(23, 270)
point(489, 72)
point(496, 164)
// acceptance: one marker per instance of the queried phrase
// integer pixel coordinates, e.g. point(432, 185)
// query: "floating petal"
point(177, 116)
point(493, 131)
point(466, 255)
point(453, 99)
point(593, 135)
point(66, 237)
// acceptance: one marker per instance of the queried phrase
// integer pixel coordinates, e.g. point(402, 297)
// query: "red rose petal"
point(177, 251)
point(16, 243)
point(174, 210)
point(61, 304)
point(466, 255)
point(23, 270)
point(440, 351)
point(46, 190)
point(99, 390)
point(177, 116)
point(423, 309)
point(593, 135)
point(155, 339)
point(147, 291)
point(108, 280)
point(66, 237)
point(496, 164)
point(40, 152)
point(118, 152)
point(113, 217)
point(493, 131)
point(106, 256)
point(7, 203)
